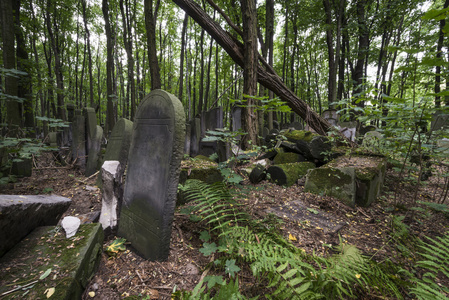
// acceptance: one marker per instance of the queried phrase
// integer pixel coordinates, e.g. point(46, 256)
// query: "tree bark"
point(267, 77)
point(110, 120)
point(150, 25)
point(183, 50)
point(439, 57)
point(89, 55)
point(249, 118)
point(13, 115)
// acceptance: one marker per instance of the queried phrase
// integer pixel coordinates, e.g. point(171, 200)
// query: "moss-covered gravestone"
point(288, 174)
point(153, 173)
point(79, 139)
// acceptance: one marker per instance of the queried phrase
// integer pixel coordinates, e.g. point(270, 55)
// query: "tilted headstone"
point(152, 176)
point(53, 139)
point(79, 139)
point(111, 173)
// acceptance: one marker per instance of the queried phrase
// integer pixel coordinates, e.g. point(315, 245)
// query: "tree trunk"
point(13, 115)
point(266, 77)
point(183, 50)
point(89, 55)
point(439, 57)
point(150, 25)
point(58, 66)
point(249, 118)
point(332, 81)
point(110, 120)
point(23, 64)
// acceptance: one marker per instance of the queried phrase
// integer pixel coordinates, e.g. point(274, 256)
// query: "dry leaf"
point(50, 292)
point(92, 294)
point(291, 237)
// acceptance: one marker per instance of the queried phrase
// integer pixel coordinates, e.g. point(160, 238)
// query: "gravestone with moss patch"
point(94, 136)
point(153, 174)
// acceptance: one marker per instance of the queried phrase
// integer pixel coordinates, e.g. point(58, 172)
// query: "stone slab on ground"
point(20, 214)
point(299, 212)
point(72, 262)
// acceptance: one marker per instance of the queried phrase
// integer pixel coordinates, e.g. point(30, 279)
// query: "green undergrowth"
point(235, 242)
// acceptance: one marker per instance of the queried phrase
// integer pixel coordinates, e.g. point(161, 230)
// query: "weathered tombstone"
point(22, 167)
point(195, 126)
point(265, 132)
point(79, 139)
point(236, 116)
point(439, 121)
point(210, 120)
point(119, 142)
point(296, 126)
point(53, 139)
point(111, 173)
point(276, 125)
point(94, 151)
point(153, 173)
point(91, 124)
point(349, 130)
point(70, 117)
point(331, 116)
point(188, 139)
point(372, 140)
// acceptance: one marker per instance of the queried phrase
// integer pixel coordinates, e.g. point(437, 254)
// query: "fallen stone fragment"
point(70, 225)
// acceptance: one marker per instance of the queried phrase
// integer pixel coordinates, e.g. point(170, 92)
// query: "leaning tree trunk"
point(267, 77)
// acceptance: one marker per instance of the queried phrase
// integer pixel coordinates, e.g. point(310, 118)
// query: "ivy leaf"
point(116, 246)
point(231, 267)
point(208, 249)
point(213, 281)
point(314, 211)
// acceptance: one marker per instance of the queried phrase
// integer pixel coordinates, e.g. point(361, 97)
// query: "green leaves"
point(45, 274)
point(208, 249)
point(116, 246)
point(231, 267)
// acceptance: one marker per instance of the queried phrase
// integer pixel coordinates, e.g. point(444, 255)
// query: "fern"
point(291, 273)
point(435, 263)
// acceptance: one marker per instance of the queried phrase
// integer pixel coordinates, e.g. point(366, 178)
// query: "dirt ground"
point(370, 229)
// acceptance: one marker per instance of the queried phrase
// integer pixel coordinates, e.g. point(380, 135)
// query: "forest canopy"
point(361, 57)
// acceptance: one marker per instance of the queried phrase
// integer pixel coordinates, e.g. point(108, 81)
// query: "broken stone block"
point(111, 173)
point(72, 263)
point(21, 214)
point(289, 174)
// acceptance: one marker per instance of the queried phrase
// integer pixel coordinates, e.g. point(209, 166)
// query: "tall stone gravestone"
point(153, 173)
point(79, 139)
point(94, 136)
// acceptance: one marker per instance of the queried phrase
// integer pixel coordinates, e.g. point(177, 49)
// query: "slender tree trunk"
point(150, 25)
point(13, 108)
point(439, 57)
point(110, 120)
point(332, 79)
point(183, 50)
point(89, 55)
point(58, 66)
point(24, 86)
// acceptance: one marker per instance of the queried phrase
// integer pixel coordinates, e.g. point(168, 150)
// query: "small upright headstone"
point(79, 139)
point(331, 116)
point(53, 139)
point(188, 139)
point(94, 151)
point(210, 120)
point(236, 118)
point(153, 173)
point(119, 142)
point(195, 127)
point(296, 126)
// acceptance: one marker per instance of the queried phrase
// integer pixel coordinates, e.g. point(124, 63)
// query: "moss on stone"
point(286, 157)
point(72, 262)
point(299, 135)
point(288, 174)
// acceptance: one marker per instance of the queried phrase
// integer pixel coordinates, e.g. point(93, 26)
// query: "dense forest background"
point(366, 58)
